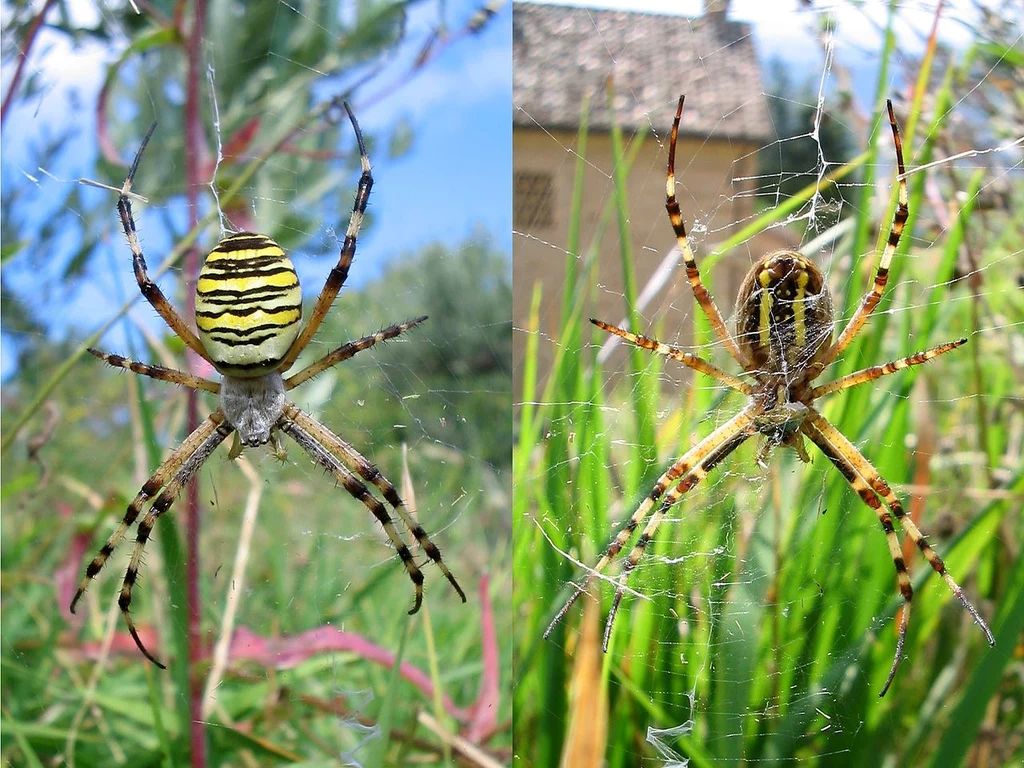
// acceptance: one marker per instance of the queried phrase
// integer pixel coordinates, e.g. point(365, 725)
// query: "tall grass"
point(764, 625)
point(315, 564)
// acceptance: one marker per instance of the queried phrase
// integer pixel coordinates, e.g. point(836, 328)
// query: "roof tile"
point(562, 53)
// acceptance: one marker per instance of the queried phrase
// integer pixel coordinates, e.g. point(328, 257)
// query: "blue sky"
point(454, 180)
point(457, 176)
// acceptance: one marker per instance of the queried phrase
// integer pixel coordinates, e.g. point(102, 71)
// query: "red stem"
point(30, 38)
point(194, 151)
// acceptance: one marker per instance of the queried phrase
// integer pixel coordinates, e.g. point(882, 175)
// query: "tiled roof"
point(562, 54)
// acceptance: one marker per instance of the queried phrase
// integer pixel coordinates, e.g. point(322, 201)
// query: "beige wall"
point(706, 192)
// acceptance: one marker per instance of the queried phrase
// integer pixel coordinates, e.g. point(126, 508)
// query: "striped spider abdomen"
point(248, 305)
point(784, 314)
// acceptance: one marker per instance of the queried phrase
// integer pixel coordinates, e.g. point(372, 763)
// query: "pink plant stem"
point(194, 149)
point(30, 37)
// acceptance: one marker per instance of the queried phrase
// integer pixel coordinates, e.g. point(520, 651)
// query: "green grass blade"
point(988, 675)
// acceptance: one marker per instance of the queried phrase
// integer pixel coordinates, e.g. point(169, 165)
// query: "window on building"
point(533, 195)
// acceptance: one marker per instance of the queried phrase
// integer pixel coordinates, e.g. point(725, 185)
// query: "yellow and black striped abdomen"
point(784, 314)
point(248, 304)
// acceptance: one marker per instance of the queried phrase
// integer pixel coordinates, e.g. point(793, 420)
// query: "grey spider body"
point(253, 406)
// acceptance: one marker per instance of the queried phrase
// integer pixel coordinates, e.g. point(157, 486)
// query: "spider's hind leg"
point(707, 452)
point(150, 488)
point(360, 465)
point(704, 457)
point(358, 491)
point(188, 469)
point(873, 489)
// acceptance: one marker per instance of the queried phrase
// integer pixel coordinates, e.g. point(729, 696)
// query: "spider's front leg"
point(339, 273)
point(872, 297)
point(700, 291)
point(150, 290)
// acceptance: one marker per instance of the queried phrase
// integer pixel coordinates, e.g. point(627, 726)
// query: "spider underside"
point(248, 312)
point(783, 341)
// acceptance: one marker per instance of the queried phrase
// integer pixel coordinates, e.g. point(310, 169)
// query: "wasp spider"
point(783, 342)
point(248, 310)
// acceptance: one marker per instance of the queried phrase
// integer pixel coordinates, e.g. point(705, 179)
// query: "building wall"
point(711, 204)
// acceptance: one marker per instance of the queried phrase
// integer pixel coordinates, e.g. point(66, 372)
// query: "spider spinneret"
point(784, 341)
point(248, 313)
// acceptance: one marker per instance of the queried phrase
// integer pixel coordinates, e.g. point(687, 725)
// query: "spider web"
point(320, 588)
point(718, 584)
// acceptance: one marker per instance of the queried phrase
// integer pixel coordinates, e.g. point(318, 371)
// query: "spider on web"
point(248, 312)
point(784, 341)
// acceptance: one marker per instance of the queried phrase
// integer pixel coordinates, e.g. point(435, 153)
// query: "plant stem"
point(30, 37)
point(194, 150)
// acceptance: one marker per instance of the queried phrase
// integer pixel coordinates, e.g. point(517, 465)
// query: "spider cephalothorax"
point(783, 343)
point(248, 313)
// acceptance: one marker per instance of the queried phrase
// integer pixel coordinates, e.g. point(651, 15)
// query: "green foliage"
point(765, 627)
point(316, 559)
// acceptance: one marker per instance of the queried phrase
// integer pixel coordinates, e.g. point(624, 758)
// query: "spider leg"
point(158, 480)
point(339, 273)
point(740, 423)
point(872, 297)
point(157, 372)
point(362, 466)
point(871, 487)
point(674, 353)
point(728, 442)
point(148, 288)
point(163, 502)
point(878, 371)
point(846, 468)
point(700, 291)
point(346, 351)
point(358, 491)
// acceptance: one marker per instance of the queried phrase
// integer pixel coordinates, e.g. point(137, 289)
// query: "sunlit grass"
point(765, 623)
